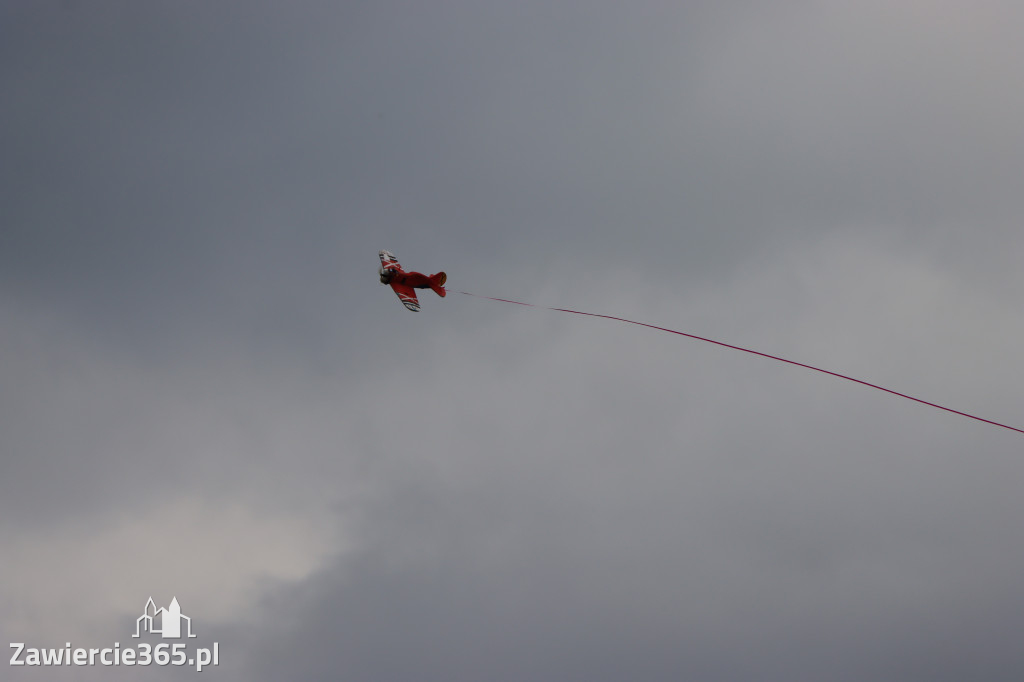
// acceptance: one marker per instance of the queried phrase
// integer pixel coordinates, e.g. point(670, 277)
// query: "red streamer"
point(753, 352)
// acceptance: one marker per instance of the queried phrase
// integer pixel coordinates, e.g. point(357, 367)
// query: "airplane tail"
point(437, 283)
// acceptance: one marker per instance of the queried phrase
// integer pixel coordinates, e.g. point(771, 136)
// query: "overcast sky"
point(206, 393)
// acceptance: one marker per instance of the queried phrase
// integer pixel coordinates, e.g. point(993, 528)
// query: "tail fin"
point(437, 283)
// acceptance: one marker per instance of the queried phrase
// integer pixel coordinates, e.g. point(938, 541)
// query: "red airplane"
point(405, 283)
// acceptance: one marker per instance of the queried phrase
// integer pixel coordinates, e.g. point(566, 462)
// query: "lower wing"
point(407, 295)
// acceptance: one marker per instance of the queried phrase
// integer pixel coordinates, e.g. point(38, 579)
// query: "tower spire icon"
point(169, 620)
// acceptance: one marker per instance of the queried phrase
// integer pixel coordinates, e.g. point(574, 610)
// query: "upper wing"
point(388, 261)
point(407, 295)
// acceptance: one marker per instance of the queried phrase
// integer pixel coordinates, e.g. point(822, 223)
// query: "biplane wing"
point(389, 270)
point(407, 295)
point(388, 261)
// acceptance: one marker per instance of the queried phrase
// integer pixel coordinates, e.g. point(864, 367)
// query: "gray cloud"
point(195, 354)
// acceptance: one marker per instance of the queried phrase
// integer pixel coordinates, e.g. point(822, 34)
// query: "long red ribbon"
point(752, 352)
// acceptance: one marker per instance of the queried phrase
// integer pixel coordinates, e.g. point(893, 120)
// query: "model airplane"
point(405, 283)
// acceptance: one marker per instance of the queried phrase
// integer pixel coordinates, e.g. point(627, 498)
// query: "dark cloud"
point(194, 349)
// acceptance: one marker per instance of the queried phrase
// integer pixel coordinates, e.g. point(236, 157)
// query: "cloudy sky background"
point(205, 393)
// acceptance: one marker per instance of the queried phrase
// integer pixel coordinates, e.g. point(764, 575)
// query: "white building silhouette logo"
point(165, 622)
